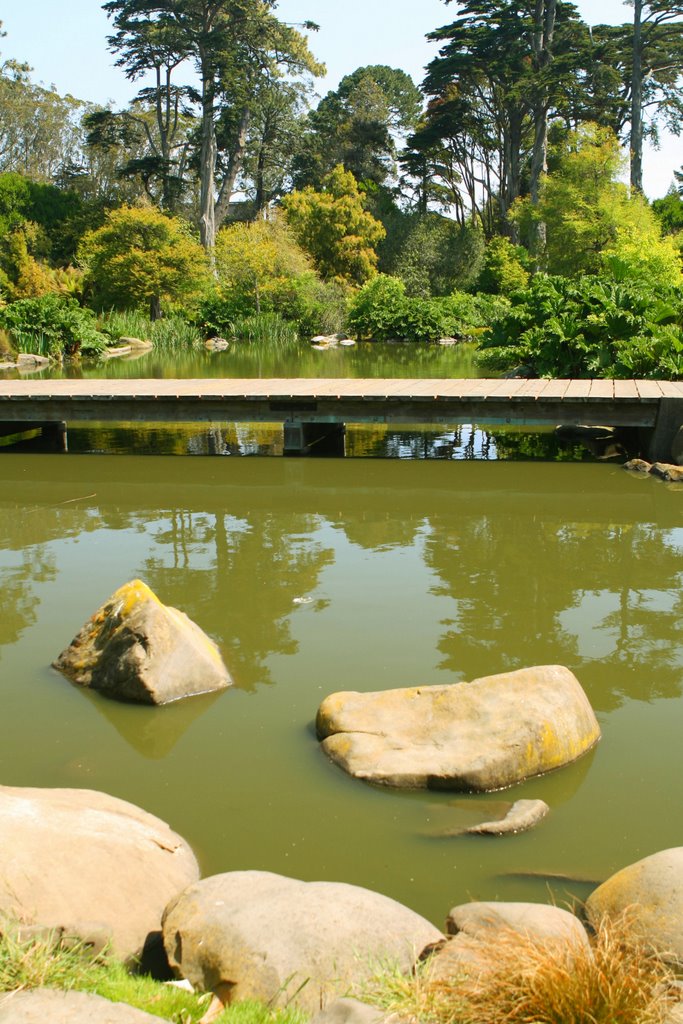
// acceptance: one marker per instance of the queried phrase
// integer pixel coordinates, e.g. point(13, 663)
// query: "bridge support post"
point(326, 440)
point(667, 428)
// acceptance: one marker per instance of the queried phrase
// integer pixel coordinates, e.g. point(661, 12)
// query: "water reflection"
point(153, 731)
point(520, 597)
point(251, 574)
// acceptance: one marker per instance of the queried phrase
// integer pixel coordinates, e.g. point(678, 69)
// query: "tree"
point(333, 226)
point(141, 257)
point(253, 260)
point(657, 37)
point(493, 87)
point(234, 46)
point(39, 129)
point(357, 125)
point(585, 206)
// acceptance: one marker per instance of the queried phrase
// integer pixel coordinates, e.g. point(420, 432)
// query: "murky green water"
point(315, 576)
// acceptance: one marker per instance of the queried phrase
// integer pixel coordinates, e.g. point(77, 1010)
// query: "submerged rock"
point(483, 735)
point(89, 865)
point(135, 648)
point(523, 815)
point(257, 935)
point(651, 893)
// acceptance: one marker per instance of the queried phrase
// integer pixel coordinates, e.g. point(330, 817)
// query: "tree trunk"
point(234, 167)
point(636, 140)
point(544, 17)
point(155, 308)
point(207, 164)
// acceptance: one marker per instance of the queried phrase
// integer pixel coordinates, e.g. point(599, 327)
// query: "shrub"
point(382, 310)
point(505, 267)
point(52, 325)
point(437, 255)
point(590, 327)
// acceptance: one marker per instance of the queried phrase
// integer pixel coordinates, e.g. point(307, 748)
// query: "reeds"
point(615, 979)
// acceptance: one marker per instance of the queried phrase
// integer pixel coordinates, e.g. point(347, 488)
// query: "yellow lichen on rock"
point(136, 648)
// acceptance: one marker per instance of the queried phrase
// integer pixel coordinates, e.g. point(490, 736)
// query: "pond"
point(318, 575)
point(322, 575)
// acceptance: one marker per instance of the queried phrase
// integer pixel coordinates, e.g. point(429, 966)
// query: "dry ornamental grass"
point(616, 979)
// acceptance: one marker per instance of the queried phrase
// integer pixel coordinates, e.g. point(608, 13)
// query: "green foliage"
point(140, 257)
point(52, 325)
point(506, 267)
point(356, 126)
point(265, 330)
point(437, 256)
point(583, 204)
point(590, 327)
point(60, 214)
point(262, 269)
point(382, 310)
point(669, 212)
point(335, 229)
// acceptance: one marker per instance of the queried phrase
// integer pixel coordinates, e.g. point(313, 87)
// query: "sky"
point(65, 43)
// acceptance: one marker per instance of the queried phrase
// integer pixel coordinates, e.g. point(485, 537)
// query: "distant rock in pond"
point(217, 344)
point(134, 648)
point(523, 815)
point(484, 735)
point(666, 471)
point(136, 343)
point(638, 466)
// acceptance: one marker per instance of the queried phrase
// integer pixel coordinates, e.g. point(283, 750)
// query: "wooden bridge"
point(314, 408)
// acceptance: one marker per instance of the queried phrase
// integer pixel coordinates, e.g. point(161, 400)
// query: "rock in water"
point(651, 893)
point(135, 648)
point(89, 865)
point(257, 935)
point(523, 815)
point(478, 736)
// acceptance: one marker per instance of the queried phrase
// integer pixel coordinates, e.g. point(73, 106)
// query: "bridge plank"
point(625, 389)
point(578, 389)
point(648, 389)
point(601, 389)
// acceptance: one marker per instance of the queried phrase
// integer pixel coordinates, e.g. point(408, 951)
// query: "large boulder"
point(475, 929)
point(135, 648)
point(650, 893)
point(252, 934)
point(44, 1005)
point(483, 735)
point(89, 865)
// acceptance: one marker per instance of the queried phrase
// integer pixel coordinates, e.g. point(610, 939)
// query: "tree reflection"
point(602, 598)
point(243, 593)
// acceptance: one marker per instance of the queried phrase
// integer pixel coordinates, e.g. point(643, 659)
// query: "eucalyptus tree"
point(233, 47)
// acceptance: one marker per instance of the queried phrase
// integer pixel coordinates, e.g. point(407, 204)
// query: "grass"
point(525, 980)
point(46, 961)
point(265, 331)
point(170, 334)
